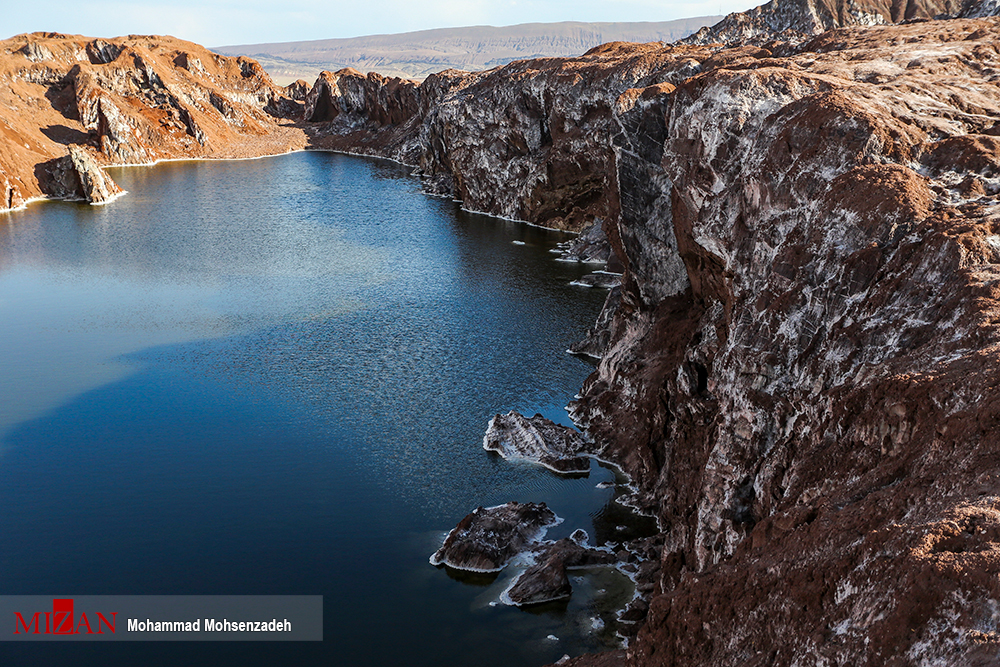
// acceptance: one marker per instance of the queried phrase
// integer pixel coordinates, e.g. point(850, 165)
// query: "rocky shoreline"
point(489, 539)
point(798, 369)
point(70, 105)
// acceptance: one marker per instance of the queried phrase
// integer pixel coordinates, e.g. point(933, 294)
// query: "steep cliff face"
point(811, 403)
point(369, 114)
point(801, 363)
point(532, 140)
point(130, 100)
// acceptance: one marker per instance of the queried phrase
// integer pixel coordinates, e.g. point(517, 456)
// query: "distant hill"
point(417, 54)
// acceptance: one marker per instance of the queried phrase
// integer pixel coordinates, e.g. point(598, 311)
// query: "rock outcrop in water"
point(800, 368)
point(488, 538)
point(546, 580)
point(537, 439)
point(128, 100)
point(79, 175)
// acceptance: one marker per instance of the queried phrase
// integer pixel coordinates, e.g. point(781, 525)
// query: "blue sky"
point(223, 22)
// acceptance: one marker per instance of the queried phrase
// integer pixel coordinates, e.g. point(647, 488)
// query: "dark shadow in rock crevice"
point(63, 134)
point(62, 97)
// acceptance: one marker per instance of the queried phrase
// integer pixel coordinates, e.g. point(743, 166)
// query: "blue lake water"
point(273, 377)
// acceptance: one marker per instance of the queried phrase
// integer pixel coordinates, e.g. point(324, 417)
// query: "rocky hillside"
point(797, 20)
point(418, 54)
point(130, 100)
point(801, 366)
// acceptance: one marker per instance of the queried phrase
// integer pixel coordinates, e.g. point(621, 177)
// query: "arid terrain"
point(418, 54)
point(801, 367)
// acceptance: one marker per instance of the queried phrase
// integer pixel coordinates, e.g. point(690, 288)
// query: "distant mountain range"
point(417, 54)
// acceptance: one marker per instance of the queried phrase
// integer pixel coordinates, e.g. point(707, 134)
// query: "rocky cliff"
point(807, 385)
point(801, 364)
point(69, 105)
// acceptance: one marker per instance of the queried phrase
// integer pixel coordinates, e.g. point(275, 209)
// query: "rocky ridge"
point(70, 105)
point(419, 54)
point(793, 21)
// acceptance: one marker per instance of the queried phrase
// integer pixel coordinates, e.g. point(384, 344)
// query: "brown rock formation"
point(801, 367)
point(129, 100)
point(489, 537)
point(78, 174)
point(546, 580)
point(808, 402)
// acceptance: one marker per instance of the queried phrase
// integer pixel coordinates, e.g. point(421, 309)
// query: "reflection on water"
point(273, 376)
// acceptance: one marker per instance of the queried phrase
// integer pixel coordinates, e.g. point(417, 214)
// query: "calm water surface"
point(273, 377)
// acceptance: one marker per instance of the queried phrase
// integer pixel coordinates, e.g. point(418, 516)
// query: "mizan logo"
point(59, 621)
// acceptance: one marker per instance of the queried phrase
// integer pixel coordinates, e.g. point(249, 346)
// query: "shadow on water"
point(471, 578)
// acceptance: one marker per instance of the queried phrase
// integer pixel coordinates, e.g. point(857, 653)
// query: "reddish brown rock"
point(128, 100)
point(796, 20)
point(488, 538)
point(546, 579)
point(801, 367)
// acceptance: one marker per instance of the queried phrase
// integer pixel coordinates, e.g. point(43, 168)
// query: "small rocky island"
point(539, 440)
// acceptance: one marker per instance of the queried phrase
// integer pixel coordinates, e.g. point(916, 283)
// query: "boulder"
point(488, 538)
point(537, 439)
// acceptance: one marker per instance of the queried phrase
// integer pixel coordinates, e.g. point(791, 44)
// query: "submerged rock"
point(542, 582)
point(537, 439)
point(546, 580)
point(488, 538)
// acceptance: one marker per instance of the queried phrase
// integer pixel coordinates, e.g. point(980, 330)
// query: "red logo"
point(59, 621)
